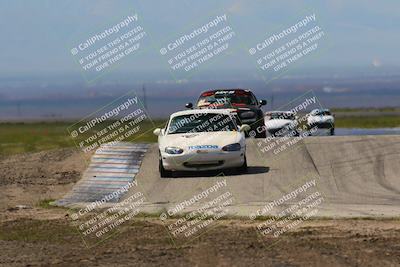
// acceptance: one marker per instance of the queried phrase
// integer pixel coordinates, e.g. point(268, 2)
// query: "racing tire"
point(332, 131)
point(296, 133)
point(262, 134)
point(243, 168)
point(253, 131)
point(163, 172)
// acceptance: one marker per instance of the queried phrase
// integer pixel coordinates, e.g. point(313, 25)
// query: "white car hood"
point(320, 119)
point(277, 123)
point(208, 140)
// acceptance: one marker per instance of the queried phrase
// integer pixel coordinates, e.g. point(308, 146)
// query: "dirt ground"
point(32, 234)
point(27, 179)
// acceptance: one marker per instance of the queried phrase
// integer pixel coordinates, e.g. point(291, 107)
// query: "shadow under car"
point(225, 172)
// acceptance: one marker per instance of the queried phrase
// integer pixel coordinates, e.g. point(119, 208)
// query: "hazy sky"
point(37, 35)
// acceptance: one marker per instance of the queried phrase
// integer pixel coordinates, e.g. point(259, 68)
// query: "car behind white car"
point(197, 140)
point(280, 123)
point(322, 119)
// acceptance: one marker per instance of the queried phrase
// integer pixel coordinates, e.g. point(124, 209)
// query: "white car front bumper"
point(210, 160)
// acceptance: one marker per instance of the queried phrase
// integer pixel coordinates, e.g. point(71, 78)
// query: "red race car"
point(243, 101)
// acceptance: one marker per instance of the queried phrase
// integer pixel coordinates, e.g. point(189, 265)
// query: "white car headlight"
point(232, 147)
point(173, 150)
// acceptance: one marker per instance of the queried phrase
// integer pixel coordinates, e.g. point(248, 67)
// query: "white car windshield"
point(201, 122)
point(322, 113)
point(227, 97)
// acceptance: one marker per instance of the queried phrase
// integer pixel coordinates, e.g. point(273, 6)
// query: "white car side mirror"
point(244, 128)
point(157, 131)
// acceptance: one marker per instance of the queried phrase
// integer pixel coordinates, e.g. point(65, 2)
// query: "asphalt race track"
point(357, 176)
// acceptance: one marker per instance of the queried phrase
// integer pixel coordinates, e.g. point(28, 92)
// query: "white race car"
point(203, 139)
point(280, 123)
point(321, 118)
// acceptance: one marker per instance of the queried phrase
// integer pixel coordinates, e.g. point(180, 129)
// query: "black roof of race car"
point(233, 90)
